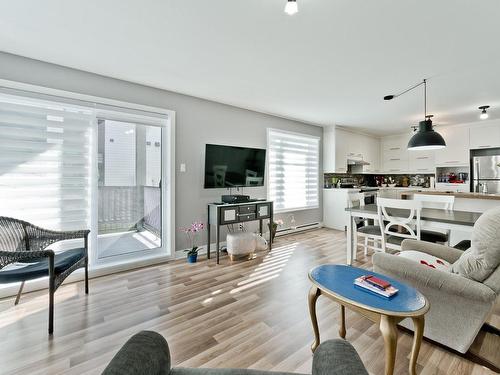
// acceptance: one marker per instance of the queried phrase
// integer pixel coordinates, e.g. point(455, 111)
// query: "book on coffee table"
point(377, 286)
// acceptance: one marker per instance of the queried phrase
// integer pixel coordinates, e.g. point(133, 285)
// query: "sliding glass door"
point(67, 164)
point(130, 200)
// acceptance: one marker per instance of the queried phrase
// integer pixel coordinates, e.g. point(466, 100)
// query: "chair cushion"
point(395, 240)
point(370, 229)
point(425, 259)
point(28, 271)
point(483, 257)
point(432, 236)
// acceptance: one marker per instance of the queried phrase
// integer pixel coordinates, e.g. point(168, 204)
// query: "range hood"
point(355, 161)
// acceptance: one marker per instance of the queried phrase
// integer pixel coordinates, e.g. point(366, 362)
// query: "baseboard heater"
point(299, 228)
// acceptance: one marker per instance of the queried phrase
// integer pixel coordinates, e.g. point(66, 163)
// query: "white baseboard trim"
point(299, 228)
point(179, 254)
point(283, 232)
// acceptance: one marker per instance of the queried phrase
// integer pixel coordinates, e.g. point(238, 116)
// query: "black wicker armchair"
point(25, 244)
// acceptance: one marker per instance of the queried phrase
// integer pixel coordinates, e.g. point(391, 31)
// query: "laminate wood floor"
point(250, 314)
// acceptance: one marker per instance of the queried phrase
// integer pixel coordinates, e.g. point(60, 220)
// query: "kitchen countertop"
point(457, 194)
point(420, 190)
point(412, 188)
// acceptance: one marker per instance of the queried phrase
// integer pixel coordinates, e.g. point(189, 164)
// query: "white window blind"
point(45, 155)
point(293, 167)
point(120, 152)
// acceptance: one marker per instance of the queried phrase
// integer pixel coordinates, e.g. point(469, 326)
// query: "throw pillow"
point(483, 257)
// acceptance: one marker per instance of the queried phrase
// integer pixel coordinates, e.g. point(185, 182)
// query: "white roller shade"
point(45, 156)
point(293, 168)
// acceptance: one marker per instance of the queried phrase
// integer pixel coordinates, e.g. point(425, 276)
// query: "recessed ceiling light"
point(484, 114)
point(291, 7)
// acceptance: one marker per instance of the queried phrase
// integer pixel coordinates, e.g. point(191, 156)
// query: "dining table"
point(433, 218)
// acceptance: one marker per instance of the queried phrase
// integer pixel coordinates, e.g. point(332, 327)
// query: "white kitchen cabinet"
point(334, 150)
point(484, 134)
point(371, 155)
point(444, 186)
point(329, 149)
point(335, 201)
point(341, 150)
point(395, 154)
point(340, 145)
point(396, 166)
point(456, 152)
point(422, 161)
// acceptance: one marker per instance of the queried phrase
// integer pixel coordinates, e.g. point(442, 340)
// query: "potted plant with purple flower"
point(192, 233)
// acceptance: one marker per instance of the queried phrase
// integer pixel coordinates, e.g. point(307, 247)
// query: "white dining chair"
point(396, 228)
point(370, 233)
point(442, 202)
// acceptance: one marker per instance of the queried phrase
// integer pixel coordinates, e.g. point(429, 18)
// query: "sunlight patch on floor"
point(30, 305)
point(270, 268)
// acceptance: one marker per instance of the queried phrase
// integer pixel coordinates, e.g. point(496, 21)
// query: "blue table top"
point(339, 280)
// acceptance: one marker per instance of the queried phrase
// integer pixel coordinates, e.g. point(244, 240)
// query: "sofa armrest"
point(337, 357)
point(144, 353)
point(421, 276)
point(447, 253)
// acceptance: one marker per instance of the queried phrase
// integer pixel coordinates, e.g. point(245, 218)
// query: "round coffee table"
point(337, 283)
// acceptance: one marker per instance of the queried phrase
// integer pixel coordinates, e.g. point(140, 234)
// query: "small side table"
point(220, 214)
point(337, 283)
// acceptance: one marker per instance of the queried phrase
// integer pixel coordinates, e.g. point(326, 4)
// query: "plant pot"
point(192, 258)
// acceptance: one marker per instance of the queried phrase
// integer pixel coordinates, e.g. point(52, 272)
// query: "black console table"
point(224, 214)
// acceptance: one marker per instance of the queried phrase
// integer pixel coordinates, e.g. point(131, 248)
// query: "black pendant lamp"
point(425, 137)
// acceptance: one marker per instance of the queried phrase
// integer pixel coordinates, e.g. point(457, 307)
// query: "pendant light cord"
point(425, 99)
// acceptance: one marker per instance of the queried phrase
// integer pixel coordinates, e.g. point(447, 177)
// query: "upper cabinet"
point(390, 154)
point(372, 155)
point(422, 161)
point(456, 152)
point(484, 135)
point(334, 150)
point(340, 145)
point(328, 149)
point(394, 154)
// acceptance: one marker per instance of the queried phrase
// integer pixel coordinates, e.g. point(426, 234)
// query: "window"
point(293, 167)
point(45, 162)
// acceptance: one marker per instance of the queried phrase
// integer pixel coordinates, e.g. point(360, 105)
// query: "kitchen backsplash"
point(330, 179)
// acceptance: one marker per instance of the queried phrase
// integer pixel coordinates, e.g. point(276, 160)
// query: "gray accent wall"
point(198, 122)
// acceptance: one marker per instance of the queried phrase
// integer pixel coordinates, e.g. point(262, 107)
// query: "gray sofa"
point(148, 353)
point(459, 305)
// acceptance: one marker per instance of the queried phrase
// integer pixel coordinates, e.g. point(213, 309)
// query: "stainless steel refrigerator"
point(486, 174)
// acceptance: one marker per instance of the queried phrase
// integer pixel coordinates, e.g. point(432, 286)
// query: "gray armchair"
point(147, 353)
point(459, 305)
point(23, 246)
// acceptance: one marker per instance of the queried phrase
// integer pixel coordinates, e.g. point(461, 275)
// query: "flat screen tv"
point(231, 166)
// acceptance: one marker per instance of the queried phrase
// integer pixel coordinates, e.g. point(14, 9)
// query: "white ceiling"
point(329, 64)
